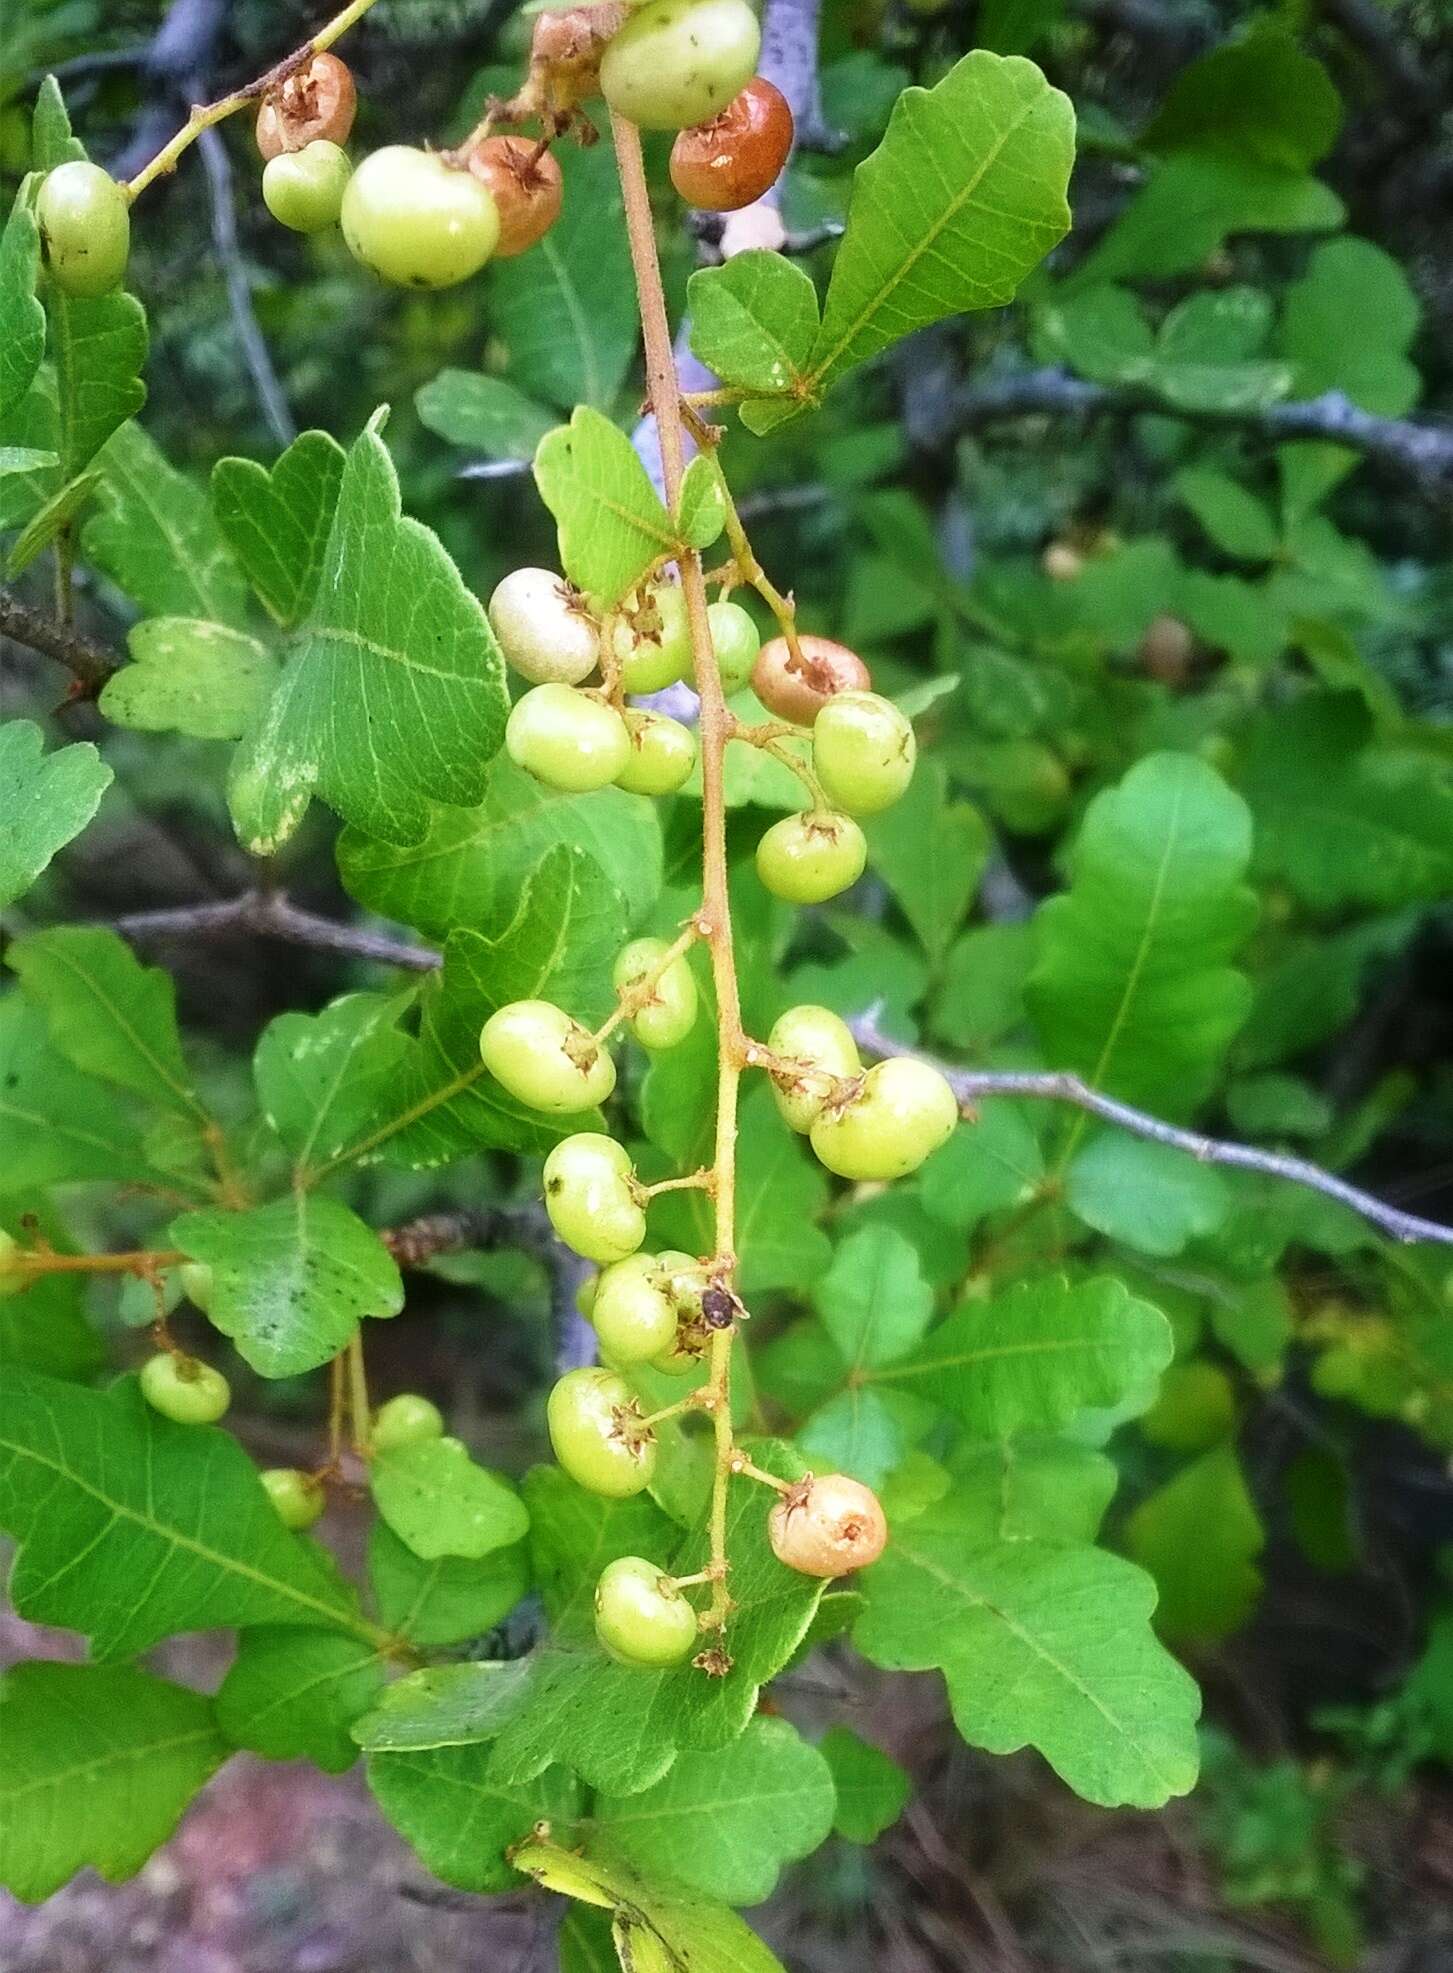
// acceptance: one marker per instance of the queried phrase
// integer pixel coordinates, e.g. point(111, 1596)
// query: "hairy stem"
point(713, 731)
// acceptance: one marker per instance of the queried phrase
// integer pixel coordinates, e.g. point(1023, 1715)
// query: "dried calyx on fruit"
point(797, 687)
point(318, 100)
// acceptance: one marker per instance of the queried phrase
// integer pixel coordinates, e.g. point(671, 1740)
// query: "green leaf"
point(574, 1534)
point(1232, 515)
point(981, 994)
point(277, 523)
point(158, 539)
point(46, 1328)
point(440, 1503)
point(1040, 1353)
point(97, 1763)
point(1132, 986)
point(202, 679)
point(177, 1509)
point(865, 1432)
point(473, 862)
point(1258, 97)
point(321, 1077)
point(483, 413)
point(23, 459)
point(49, 520)
point(292, 1695)
point(291, 1281)
point(393, 695)
point(1149, 1196)
point(566, 310)
point(22, 319)
point(99, 348)
point(109, 1014)
point(1198, 1535)
point(1028, 1489)
point(1041, 1645)
point(1206, 355)
point(872, 1790)
point(725, 1822)
point(985, 1167)
point(701, 510)
point(611, 522)
point(57, 1126)
point(558, 946)
point(1348, 325)
point(873, 1300)
point(656, 1929)
point(458, 1818)
point(45, 800)
point(51, 141)
point(448, 1599)
point(754, 321)
point(934, 891)
point(1340, 819)
point(963, 197)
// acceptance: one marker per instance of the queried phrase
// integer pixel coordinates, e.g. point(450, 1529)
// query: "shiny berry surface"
point(679, 62)
point(567, 740)
point(828, 1526)
point(85, 225)
point(545, 1058)
point(663, 753)
point(730, 162)
point(303, 190)
point(407, 1419)
point(817, 1052)
point(639, 1617)
point(668, 1014)
point(806, 859)
point(653, 643)
point(633, 1312)
point(298, 1498)
point(901, 1114)
point(596, 1435)
point(417, 221)
point(183, 1389)
point(863, 752)
point(589, 1197)
point(736, 642)
point(798, 690)
point(542, 628)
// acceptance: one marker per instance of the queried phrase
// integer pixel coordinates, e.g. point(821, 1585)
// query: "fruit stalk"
point(714, 729)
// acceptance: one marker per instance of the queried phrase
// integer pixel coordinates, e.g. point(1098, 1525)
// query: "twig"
point(267, 914)
point(527, 1227)
point(91, 662)
point(270, 393)
point(1059, 1086)
point(1424, 451)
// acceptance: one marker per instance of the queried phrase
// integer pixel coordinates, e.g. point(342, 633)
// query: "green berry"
point(183, 1389)
point(596, 1433)
point(669, 1015)
point(304, 189)
point(663, 753)
point(640, 1616)
point(633, 1313)
point(85, 222)
point(687, 1355)
point(567, 740)
point(809, 858)
point(405, 1420)
point(678, 62)
point(736, 641)
point(901, 1113)
point(863, 751)
point(821, 1052)
point(546, 1059)
point(298, 1497)
point(197, 1284)
point(542, 628)
point(417, 221)
point(588, 1194)
point(653, 644)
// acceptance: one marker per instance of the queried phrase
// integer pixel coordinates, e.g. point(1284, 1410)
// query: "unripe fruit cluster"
point(874, 1124)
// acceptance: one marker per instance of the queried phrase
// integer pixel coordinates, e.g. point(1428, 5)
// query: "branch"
point(1059, 1086)
point(526, 1227)
point(267, 914)
point(1423, 451)
point(91, 662)
point(270, 394)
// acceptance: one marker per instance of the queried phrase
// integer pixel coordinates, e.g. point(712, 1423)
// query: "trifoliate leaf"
point(440, 1503)
point(872, 1790)
point(754, 321)
point(202, 679)
point(1148, 1196)
point(611, 522)
point(57, 1126)
point(158, 539)
point(1041, 1645)
point(964, 196)
point(724, 1822)
point(291, 1281)
point(393, 694)
point(473, 862)
point(110, 1015)
point(458, 1818)
point(278, 523)
point(1347, 325)
point(1132, 986)
point(448, 1599)
point(45, 800)
point(292, 1695)
point(177, 1508)
point(1040, 1353)
point(97, 1763)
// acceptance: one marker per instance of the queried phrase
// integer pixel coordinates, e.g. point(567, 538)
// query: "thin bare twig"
point(267, 914)
point(270, 394)
point(527, 1227)
point(1060, 1086)
point(91, 662)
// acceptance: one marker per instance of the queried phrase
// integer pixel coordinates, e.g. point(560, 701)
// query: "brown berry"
point(798, 692)
point(827, 1526)
point(316, 101)
point(731, 161)
point(526, 186)
point(566, 48)
point(1166, 649)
